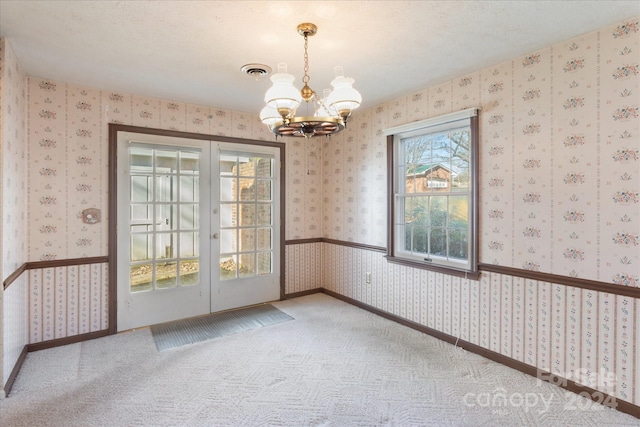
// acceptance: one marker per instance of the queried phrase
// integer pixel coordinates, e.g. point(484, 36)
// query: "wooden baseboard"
point(14, 372)
point(67, 340)
point(595, 395)
point(303, 293)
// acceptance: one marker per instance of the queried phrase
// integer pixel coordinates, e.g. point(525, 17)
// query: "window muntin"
point(164, 217)
point(433, 205)
point(246, 223)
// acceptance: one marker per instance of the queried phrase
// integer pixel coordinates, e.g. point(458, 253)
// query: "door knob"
point(215, 236)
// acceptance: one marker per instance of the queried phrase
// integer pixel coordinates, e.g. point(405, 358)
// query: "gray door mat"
point(196, 329)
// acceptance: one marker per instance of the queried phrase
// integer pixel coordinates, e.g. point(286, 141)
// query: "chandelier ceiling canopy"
point(330, 112)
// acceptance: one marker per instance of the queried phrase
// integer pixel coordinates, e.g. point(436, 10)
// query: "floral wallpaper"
point(68, 160)
point(559, 189)
point(354, 181)
point(304, 189)
point(559, 159)
point(13, 182)
point(14, 158)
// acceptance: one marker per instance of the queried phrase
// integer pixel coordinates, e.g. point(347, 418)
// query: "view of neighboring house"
point(427, 178)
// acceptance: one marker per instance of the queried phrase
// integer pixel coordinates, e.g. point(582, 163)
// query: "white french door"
point(245, 225)
point(198, 227)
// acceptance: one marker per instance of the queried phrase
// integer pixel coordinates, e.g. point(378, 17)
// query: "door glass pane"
point(141, 247)
point(264, 214)
point(247, 167)
point(247, 214)
point(189, 245)
point(264, 190)
point(189, 186)
point(264, 239)
point(140, 159)
point(166, 275)
point(164, 215)
point(166, 245)
point(189, 272)
point(247, 240)
point(141, 228)
point(264, 167)
point(166, 161)
point(228, 189)
point(141, 277)
point(141, 213)
point(228, 267)
point(228, 214)
point(228, 165)
point(228, 241)
point(264, 262)
point(246, 234)
point(247, 265)
point(141, 188)
point(247, 189)
point(189, 163)
point(166, 188)
point(189, 217)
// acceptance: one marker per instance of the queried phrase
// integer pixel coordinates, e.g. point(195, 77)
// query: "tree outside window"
point(433, 200)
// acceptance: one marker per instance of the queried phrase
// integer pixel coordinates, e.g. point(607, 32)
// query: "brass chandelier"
point(283, 99)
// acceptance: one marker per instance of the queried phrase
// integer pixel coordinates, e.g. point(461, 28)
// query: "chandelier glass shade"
point(324, 116)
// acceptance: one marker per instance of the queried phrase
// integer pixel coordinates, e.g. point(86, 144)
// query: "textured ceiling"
point(192, 50)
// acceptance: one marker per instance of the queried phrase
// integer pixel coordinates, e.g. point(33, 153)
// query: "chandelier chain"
point(305, 78)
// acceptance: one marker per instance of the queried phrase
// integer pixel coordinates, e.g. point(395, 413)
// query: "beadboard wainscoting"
point(51, 303)
point(303, 266)
point(67, 301)
point(582, 335)
point(15, 337)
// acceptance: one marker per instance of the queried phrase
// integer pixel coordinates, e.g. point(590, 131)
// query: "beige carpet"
point(334, 365)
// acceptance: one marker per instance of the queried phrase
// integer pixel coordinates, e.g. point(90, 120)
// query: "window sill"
point(473, 275)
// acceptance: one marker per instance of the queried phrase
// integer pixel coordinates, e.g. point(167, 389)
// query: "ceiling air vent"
point(256, 70)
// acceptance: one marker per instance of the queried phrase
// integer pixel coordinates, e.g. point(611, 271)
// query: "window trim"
point(425, 125)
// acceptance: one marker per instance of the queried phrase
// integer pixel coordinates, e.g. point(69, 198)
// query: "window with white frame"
point(433, 211)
